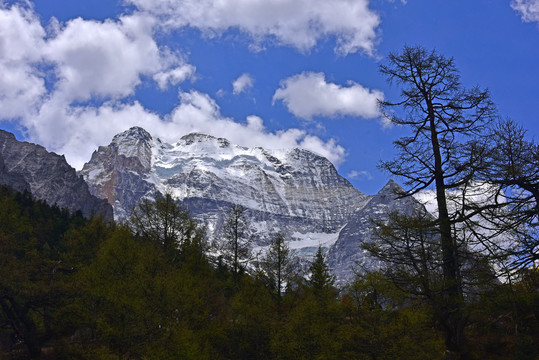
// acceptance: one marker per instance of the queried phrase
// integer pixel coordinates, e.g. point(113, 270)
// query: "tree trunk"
point(451, 292)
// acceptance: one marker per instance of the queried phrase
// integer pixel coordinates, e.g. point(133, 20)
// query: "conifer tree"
point(237, 243)
point(321, 280)
point(278, 265)
point(444, 119)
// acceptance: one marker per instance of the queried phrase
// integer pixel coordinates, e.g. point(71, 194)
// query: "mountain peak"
point(48, 177)
point(193, 138)
point(133, 133)
point(391, 188)
point(196, 137)
point(135, 143)
point(201, 166)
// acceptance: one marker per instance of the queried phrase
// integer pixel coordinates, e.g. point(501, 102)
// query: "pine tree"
point(278, 266)
point(321, 280)
point(237, 243)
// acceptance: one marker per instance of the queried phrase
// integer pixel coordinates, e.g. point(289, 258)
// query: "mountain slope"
point(292, 191)
point(346, 256)
point(295, 184)
point(27, 166)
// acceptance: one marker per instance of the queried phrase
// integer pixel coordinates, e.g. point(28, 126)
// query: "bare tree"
point(410, 246)
point(236, 248)
point(164, 222)
point(444, 120)
point(512, 164)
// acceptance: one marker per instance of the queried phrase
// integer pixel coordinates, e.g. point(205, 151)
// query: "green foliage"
point(321, 280)
point(164, 222)
point(504, 323)
point(277, 266)
point(385, 324)
point(88, 289)
point(34, 286)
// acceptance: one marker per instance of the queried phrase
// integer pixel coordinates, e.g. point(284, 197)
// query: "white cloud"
point(528, 9)
point(103, 59)
point(21, 34)
point(298, 23)
point(354, 174)
point(83, 59)
point(330, 149)
point(78, 131)
point(243, 83)
point(308, 94)
point(198, 112)
point(21, 44)
point(174, 76)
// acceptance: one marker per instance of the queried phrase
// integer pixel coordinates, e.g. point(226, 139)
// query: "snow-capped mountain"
point(293, 191)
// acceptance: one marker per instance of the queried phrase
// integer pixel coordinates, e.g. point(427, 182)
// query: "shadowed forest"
point(85, 289)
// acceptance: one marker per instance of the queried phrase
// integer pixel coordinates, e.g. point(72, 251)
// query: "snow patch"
point(310, 240)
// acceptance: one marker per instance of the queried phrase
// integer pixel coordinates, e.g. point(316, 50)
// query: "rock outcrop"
point(346, 256)
point(47, 176)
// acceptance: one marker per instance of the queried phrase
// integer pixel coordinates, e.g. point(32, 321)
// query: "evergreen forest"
point(73, 288)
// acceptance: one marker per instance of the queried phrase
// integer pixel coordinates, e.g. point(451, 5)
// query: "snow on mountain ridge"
point(239, 168)
point(203, 166)
point(292, 191)
point(135, 143)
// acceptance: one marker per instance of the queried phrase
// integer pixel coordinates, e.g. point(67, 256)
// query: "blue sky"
point(272, 73)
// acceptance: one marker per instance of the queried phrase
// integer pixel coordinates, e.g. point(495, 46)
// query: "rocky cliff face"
point(293, 191)
point(26, 166)
point(120, 172)
point(346, 256)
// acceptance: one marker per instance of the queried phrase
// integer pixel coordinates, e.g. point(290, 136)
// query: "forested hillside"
point(73, 288)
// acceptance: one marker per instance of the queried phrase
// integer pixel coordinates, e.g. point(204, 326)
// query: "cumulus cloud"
point(21, 46)
point(104, 59)
point(528, 9)
point(297, 23)
point(77, 131)
point(81, 59)
point(174, 76)
point(243, 83)
point(85, 128)
point(198, 112)
point(309, 94)
point(70, 88)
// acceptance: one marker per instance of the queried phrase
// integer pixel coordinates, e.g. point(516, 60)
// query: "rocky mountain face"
point(47, 176)
point(292, 191)
point(346, 256)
